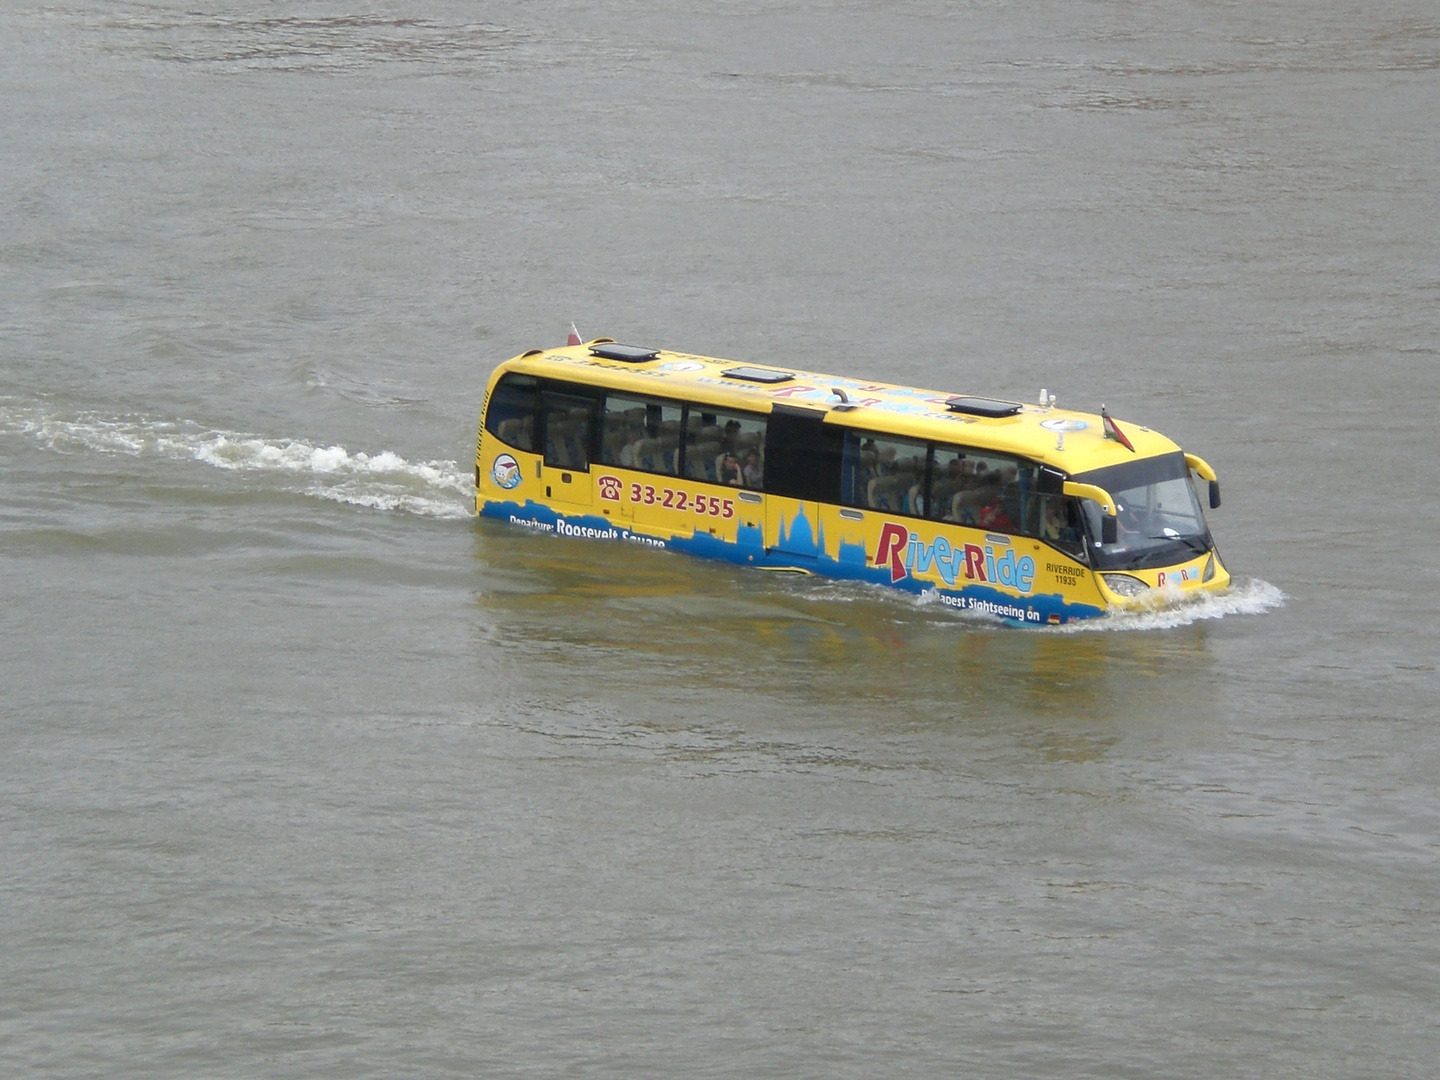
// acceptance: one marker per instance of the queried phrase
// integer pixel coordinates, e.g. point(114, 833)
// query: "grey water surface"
point(304, 772)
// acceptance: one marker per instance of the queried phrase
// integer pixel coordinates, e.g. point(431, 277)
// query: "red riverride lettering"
point(906, 554)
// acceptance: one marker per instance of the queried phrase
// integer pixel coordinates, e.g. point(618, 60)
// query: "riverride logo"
point(505, 471)
point(907, 554)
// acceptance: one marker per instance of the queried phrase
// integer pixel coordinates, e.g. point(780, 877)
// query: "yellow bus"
point(1030, 513)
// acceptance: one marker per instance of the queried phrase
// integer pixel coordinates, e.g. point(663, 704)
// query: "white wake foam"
point(383, 481)
point(1252, 597)
point(1171, 607)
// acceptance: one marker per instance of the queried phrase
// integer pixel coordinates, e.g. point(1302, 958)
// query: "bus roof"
point(1031, 431)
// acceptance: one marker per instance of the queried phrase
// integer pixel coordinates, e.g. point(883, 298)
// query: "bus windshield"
point(1159, 520)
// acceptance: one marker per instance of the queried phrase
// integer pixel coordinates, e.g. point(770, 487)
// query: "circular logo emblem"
point(682, 365)
point(506, 472)
point(1060, 425)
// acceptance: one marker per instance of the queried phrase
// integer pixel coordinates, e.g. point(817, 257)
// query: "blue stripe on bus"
point(749, 550)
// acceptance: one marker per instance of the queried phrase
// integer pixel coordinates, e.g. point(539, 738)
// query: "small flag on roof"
point(1112, 430)
point(574, 338)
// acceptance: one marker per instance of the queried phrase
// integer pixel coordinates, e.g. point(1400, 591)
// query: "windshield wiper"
point(1193, 543)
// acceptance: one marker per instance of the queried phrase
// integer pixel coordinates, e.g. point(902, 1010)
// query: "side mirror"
point(1109, 531)
point(1214, 494)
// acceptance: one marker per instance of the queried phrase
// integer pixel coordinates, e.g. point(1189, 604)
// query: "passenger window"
point(977, 488)
point(950, 473)
point(881, 472)
point(1057, 521)
point(510, 416)
point(1046, 512)
point(724, 447)
point(567, 430)
point(641, 434)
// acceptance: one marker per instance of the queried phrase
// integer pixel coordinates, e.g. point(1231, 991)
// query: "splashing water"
point(1252, 597)
point(383, 481)
point(1171, 608)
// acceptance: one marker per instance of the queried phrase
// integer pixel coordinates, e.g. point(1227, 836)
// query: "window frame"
point(687, 408)
point(648, 401)
point(1044, 483)
point(550, 390)
point(727, 413)
point(507, 382)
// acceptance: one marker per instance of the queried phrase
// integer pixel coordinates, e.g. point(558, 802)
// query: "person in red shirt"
point(993, 516)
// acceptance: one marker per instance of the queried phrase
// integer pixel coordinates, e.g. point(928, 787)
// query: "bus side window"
point(638, 433)
point(951, 472)
point(510, 415)
point(977, 488)
point(884, 473)
point(567, 426)
point(1060, 524)
point(1046, 512)
point(725, 447)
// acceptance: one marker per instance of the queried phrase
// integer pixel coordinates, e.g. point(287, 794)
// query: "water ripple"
point(381, 481)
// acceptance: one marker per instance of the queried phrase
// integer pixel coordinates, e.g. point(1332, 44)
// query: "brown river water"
point(305, 772)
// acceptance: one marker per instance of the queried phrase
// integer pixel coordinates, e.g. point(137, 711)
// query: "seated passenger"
point(994, 516)
point(1129, 526)
point(732, 433)
point(1052, 522)
point(729, 472)
point(753, 472)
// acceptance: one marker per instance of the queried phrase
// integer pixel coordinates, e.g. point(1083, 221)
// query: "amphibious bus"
point(1027, 512)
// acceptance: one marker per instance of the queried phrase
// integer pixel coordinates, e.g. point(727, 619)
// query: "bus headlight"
point(1125, 585)
point(1209, 574)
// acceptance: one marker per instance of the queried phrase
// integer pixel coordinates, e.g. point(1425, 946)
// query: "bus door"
point(568, 426)
point(802, 472)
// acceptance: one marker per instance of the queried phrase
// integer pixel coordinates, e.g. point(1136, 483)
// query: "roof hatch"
point(979, 406)
point(631, 354)
point(760, 375)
